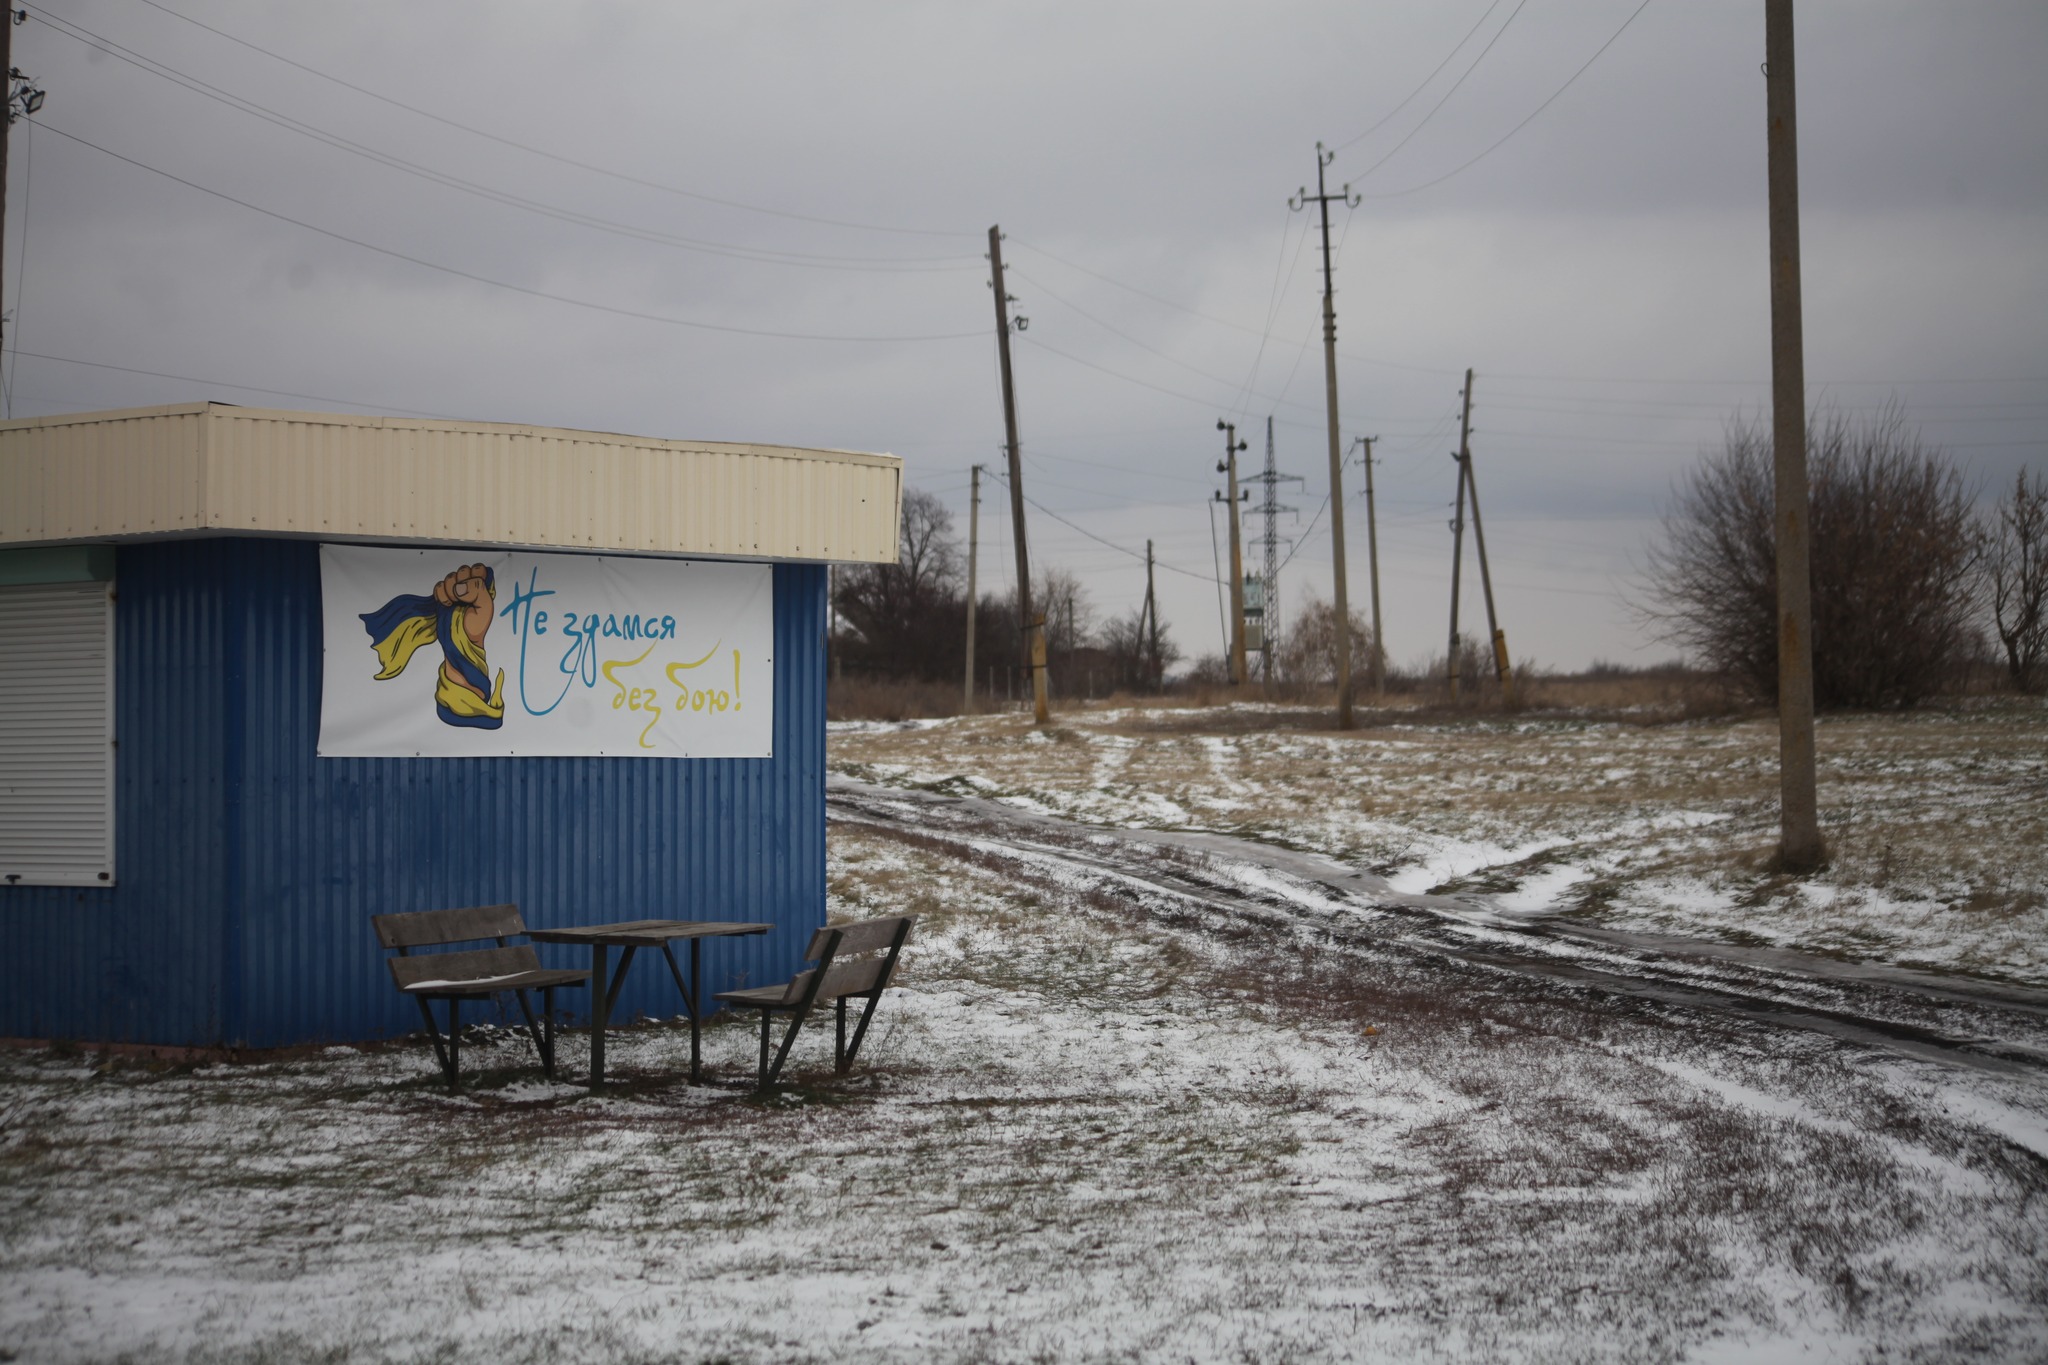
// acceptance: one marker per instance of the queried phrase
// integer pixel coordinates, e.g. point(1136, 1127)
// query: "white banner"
point(454, 653)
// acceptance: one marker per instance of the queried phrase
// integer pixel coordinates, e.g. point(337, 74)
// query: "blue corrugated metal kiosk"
point(238, 855)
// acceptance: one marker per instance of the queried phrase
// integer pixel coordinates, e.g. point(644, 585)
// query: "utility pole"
point(1458, 534)
point(1498, 636)
point(1343, 603)
point(7, 23)
point(1372, 555)
point(1154, 672)
point(1228, 465)
point(1033, 623)
point(1799, 843)
point(973, 561)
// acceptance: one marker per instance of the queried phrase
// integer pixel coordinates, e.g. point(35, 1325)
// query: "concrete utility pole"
point(1343, 602)
point(1154, 671)
point(1498, 636)
point(1033, 623)
point(1228, 465)
point(1799, 843)
point(973, 562)
point(1372, 556)
point(1458, 533)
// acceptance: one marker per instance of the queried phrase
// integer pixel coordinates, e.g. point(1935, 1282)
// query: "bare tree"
point(907, 615)
point(1308, 655)
point(1127, 646)
point(2017, 577)
point(1894, 551)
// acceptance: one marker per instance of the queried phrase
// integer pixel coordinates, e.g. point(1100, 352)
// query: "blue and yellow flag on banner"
point(456, 615)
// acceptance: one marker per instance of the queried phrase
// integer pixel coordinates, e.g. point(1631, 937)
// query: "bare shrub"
point(1893, 553)
point(1308, 654)
point(2016, 574)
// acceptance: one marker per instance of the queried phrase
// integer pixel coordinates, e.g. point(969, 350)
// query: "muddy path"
point(1950, 1019)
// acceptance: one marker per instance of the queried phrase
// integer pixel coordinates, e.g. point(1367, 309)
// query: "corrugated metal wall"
point(236, 845)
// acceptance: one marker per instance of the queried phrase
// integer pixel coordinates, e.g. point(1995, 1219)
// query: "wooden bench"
point(855, 961)
point(472, 974)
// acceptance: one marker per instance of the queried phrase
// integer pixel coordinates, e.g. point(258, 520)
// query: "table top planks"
point(646, 933)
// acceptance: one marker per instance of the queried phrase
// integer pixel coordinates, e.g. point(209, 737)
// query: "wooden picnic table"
point(631, 936)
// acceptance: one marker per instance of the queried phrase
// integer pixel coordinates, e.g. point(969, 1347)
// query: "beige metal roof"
point(210, 468)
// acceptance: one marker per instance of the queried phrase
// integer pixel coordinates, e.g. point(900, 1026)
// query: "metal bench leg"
point(796, 1023)
point(434, 1034)
point(839, 1044)
point(766, 1015)
point(547, 1028)
point(861, 1029)
point(547, 1063)
point(454, 1042)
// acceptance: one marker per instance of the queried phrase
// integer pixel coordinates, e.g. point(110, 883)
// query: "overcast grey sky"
point(831, 171)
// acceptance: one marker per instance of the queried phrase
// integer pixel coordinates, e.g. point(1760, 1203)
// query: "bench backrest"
point(432, 928)
point(855, 958)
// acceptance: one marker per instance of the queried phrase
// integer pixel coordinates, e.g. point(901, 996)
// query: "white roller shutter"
point(57, 735)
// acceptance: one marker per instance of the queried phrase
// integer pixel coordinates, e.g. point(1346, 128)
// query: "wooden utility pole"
point(1498, 636)
point(1799, 843)
point(1458, 533)
point(7, 22)
point(1154, 670)
point(973, 562)
point(1032, 623)
point(1342, 593)
point(1228, 465)
point(1372, 557)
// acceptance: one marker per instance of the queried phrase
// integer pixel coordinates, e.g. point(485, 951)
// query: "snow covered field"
point(1938, 819)
point(1102, 1121)
point(1153, 1101)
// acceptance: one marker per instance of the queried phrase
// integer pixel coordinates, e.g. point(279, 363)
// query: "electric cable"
point(503, 284)
point(1426, 79)
point(1455, 85)
point(1066, 303)
point(505, 198)
point(547, 155)
point(347, 404)
point(1428, 184)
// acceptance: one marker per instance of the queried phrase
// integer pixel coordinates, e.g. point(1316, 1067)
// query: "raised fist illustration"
point(469, 587)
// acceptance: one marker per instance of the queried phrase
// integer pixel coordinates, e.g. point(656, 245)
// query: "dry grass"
point(1938, 818)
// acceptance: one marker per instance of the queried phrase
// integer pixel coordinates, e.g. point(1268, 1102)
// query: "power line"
point(1427, 184)
point(245, 388)
point(494, 283)
point(550, 156)
point(1426, 79)
point(1143, 346)
point(1120, 549)
point(1455, 85)
point(1221, 322)
point(505, 198)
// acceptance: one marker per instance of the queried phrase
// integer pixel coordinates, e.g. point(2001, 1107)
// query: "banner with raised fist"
point(497, 653)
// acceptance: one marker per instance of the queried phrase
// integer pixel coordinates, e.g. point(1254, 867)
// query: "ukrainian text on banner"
point(451, 653)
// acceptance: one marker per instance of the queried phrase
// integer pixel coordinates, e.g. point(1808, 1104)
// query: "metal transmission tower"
point(1270, 508)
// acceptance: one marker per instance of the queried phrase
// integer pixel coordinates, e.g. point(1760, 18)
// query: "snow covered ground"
point(1102, 1121)
point(1938, 819)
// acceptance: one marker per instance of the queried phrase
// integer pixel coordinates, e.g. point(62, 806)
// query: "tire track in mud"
point(1955, 1021)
